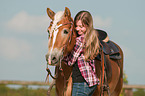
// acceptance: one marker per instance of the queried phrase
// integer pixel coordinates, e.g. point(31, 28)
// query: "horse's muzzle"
point(53, 58)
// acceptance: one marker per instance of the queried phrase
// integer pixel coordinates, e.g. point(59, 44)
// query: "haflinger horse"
point(61, 43)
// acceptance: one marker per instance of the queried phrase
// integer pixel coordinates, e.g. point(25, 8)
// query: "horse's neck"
point(72, 43)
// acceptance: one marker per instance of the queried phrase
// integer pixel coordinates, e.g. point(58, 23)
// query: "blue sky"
point(23, 36)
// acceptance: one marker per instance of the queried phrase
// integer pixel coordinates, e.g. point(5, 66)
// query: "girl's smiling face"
point(80, 28)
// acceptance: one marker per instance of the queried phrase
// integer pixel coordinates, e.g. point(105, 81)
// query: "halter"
point(64, 46)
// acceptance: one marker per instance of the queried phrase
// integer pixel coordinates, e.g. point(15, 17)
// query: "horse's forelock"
point(58, 16)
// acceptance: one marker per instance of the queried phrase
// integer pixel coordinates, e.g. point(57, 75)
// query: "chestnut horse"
point(61, 42)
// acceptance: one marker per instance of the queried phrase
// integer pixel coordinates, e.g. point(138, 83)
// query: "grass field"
point(23, 91)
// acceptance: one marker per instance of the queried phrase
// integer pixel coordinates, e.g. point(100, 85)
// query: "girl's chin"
point(80, 33)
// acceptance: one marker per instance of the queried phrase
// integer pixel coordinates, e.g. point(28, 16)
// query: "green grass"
point(24, 91)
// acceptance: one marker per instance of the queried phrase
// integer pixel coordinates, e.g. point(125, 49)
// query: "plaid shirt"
point(87, 68)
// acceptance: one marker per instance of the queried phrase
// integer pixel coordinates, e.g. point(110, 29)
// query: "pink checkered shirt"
point(87, 68)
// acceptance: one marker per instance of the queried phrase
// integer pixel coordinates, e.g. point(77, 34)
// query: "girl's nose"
point(77, 28)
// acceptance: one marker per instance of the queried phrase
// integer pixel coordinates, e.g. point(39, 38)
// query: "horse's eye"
point(65, 32)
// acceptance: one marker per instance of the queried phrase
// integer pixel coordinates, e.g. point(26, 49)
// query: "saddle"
point(109, 49)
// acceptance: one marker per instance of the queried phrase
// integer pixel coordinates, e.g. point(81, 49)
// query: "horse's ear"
point(67, 12)
point(50, 13)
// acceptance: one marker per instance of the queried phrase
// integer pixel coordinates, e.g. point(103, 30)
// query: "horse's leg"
point(97, 91)
point(68, 91)
point(60, 84)
point(50, 88)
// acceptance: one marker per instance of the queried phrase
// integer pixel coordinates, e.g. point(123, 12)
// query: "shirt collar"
point(80, 38)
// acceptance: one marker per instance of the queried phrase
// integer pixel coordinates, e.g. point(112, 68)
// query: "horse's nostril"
point(54, 58)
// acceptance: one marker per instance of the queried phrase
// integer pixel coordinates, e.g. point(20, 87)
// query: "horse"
point(61, 42)
point(61, 24)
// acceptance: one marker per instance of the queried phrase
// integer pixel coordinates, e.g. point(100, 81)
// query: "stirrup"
point(106, 88)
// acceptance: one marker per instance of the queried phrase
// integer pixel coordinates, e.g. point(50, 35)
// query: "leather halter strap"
point(69, 39)
point(63, 25)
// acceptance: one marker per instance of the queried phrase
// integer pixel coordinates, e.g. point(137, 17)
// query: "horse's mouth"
point(53, 64)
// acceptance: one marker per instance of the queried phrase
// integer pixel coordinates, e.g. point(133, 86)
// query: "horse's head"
point(61, 36)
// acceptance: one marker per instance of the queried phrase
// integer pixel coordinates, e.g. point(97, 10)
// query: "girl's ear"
point(50, 13)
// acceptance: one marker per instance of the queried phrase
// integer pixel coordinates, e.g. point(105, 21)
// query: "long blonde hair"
point(90, 39)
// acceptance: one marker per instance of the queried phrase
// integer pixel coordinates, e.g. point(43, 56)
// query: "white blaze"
point(54, 28)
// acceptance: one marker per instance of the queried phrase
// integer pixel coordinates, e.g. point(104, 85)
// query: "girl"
point(81, 58)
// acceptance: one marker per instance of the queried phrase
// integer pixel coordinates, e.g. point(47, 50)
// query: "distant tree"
point(125, 81)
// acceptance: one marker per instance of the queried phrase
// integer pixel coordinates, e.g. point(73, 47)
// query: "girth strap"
point(104, 83)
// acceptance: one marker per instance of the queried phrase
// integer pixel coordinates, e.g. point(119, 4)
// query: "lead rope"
point(49, 73)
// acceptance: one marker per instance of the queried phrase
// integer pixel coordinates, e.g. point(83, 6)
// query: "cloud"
point(24, 22)
point(99, 22)
point(12, 48)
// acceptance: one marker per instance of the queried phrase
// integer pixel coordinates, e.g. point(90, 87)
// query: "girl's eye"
point(81, 26)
